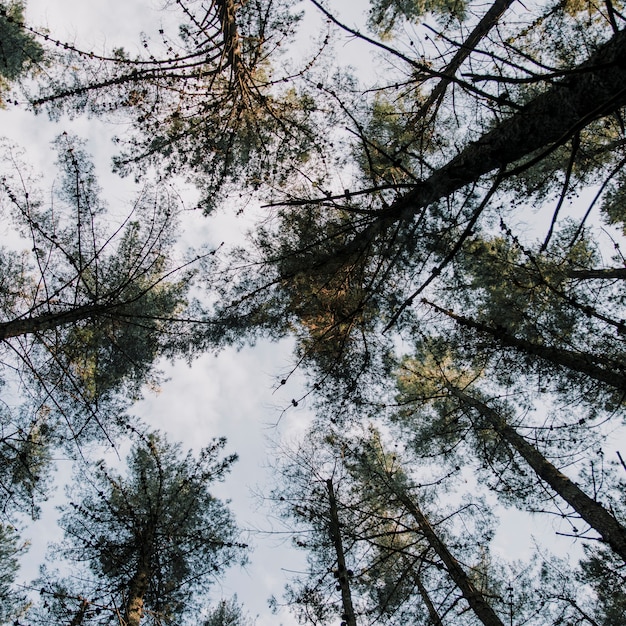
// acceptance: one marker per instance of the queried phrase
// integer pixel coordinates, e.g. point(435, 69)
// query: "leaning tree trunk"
point(482, 609)
point(596, 366)
point(591, 90)
point(432, 611)
point(342, 572)
point(589, 509)
point(48, 321)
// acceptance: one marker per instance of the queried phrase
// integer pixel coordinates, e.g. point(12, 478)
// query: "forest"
point(434, 224)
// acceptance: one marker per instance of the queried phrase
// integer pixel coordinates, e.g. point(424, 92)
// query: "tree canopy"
point(441, 234)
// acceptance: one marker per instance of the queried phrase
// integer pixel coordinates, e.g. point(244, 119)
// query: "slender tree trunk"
point(613, 374)
point(475, 599)
point(335, 532)
point(591, 511)
point(77, 620)
point(432, 611)
point(488, 21)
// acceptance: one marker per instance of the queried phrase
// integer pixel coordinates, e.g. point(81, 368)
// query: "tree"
point(355, 263)
point(25, 443)
point(152, 539)
point(19, 50)
point(482, 120)
point(11, 601)
point(354, 510)
point(461, 414)
point(88, 311)
point(206, 102)
point(227, 613)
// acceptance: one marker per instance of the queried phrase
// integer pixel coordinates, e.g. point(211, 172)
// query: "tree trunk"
point(475, 599)
point(432, 611)
point(136, 591)
point(614, 374)
point(487, 22)
point(591, 90)
point(591, 511)
point(342, 573)
point(48, 321)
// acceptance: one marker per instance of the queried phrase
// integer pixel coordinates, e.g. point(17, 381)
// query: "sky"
point(235, 393)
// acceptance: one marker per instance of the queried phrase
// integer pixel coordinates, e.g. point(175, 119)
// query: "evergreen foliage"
point(153, 539)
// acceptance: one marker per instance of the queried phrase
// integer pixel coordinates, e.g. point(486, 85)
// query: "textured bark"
point(342, 573)
point(589, 509)
point(136, 592)
point(226, 11)
point(598, 367)
point(591, 90)
point(475, 599)
point(608, 273)
point(48, 321)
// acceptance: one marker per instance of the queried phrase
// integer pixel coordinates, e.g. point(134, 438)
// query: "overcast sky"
point(234, 394)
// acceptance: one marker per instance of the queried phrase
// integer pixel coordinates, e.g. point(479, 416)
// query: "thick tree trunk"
point(598, 367)
point(475, 599)
point(136, 591)
point(342, 573)
point(591, 90)
point(607, 273)
point(48, 321)
point(591, 511)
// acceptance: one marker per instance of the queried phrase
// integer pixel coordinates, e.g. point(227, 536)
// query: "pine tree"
point(152, 539)
point(88, 310)
point(20, 52)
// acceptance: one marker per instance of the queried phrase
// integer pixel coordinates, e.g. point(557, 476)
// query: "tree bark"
point(432, 611)
point(613, 374)
point(607, 273)
point(590, 91)
point(613, 533)
point(48, 321)
point(475, 599)
point(136, 591)
point(342, 573)
point(487, 22)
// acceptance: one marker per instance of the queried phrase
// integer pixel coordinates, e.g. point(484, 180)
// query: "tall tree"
point(152, 539)
point(20, 52)
point(206, 101)
point(89, 309)
point(356, 513)
point(462, 414)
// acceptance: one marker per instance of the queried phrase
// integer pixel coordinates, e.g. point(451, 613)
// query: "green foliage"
point(386, 14)
point(90, 308)
point(204, 103)
point(227, 613)
point(605, 572)
point(11, 601)
point(159, 522)
point(19, 51)
point(25, 454)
